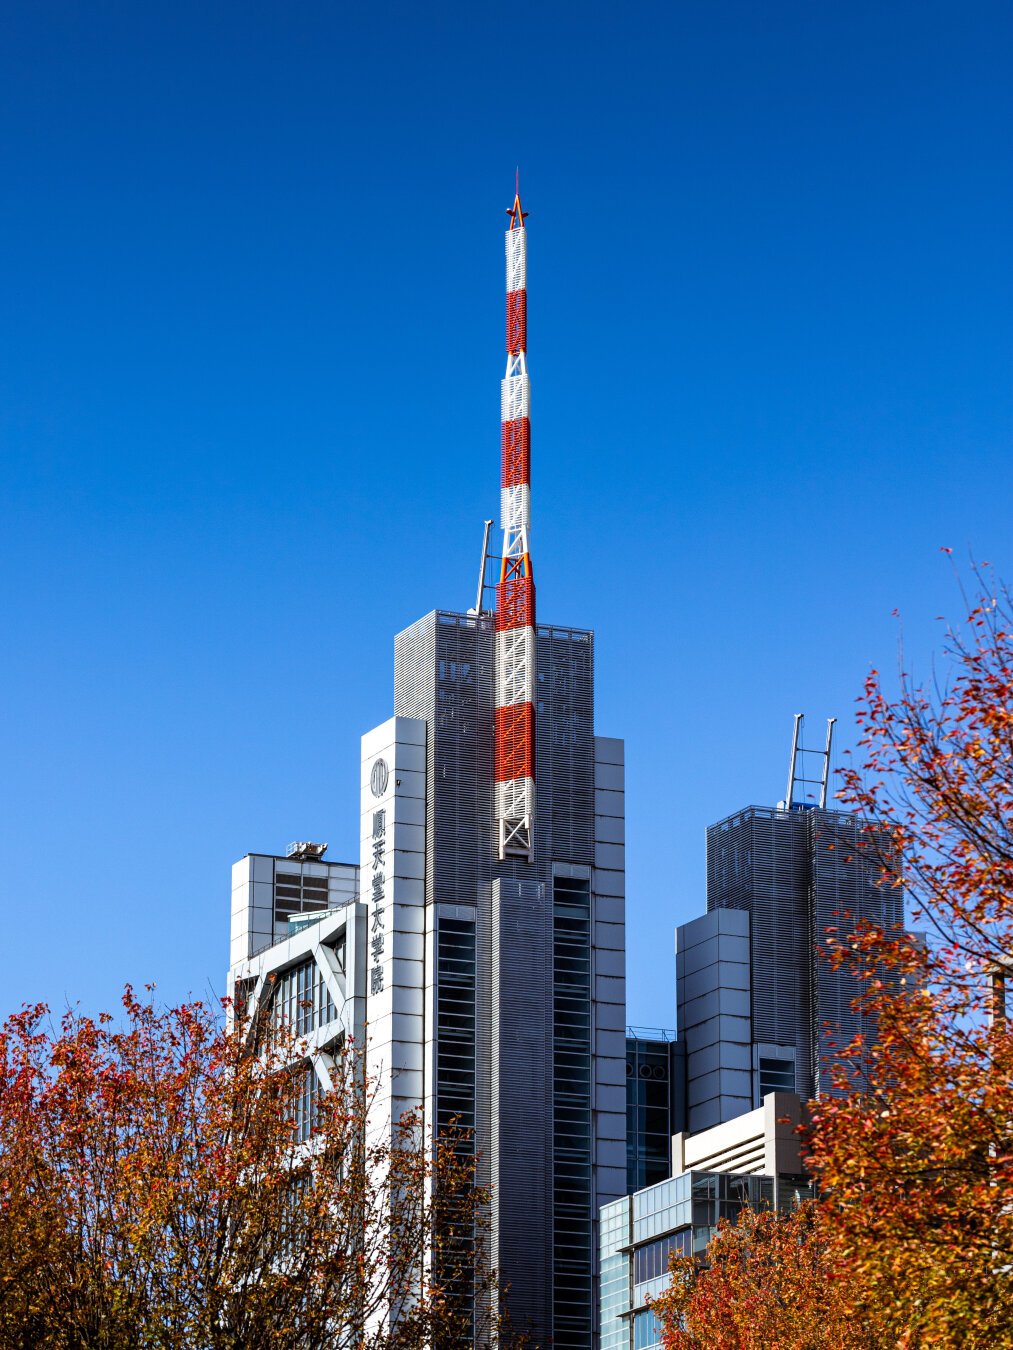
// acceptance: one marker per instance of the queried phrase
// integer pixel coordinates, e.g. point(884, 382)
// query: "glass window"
point(302, 1000)
point(455, 1013)
point(572, 1194)
point(307, 1103)
point(652, 1260)
point(646, 1331)
point(295, 893)
point(776, 1075)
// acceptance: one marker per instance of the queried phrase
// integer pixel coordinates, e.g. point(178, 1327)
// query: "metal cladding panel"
point(515, 507)
point(758, 860)
point(514, 742)
point(515, 798)
point(508, 641)
point(517, 321)
point(564, 745)
point(444, 667)
point(515, 398)
point(515, 1050)
point(515, 608)
point(443, 672)
point(845, 870)
point(515, 448)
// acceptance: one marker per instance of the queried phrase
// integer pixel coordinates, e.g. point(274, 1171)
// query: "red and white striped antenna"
point(515, 593)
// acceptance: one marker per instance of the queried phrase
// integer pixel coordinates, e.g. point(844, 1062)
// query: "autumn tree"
point(911, 1242)
point(168, 1181)
point(770, 1282)
point(919, 1161)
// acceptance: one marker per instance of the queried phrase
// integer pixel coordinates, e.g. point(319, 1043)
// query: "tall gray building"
point(511, 1018)
point(489, 992)
point(759, 1006)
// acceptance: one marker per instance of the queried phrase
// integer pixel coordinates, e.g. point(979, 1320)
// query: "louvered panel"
point(846, 890)
point(757, 860)
point(799, 873)
point(516, 1088)
point(443, 674)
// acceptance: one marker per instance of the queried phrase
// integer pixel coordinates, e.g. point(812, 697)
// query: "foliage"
point(912, 1242)
point(920, 1162)
point(771, 1282)
point(156, 1190)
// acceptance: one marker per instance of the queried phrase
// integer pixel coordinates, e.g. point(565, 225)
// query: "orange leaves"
point(917, 1164)
point(916, 1220)
point(771, 1281)
point(154, 1192)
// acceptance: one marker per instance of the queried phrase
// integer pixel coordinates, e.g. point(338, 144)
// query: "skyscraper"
point(491, 921)
point(504, 972)
point(760, 1007)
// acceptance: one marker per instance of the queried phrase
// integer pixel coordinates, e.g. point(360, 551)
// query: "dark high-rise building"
point(521, 985)
point(760, 1006)
point(496, 989)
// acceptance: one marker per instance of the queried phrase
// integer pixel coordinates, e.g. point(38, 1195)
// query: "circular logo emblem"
point(378, 778)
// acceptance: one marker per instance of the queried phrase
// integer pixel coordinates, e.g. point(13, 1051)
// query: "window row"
point(302, 1001)
point(654, 1259)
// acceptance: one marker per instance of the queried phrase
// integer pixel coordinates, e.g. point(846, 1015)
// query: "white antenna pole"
point(481, 569)
point(791, 763)
point(826, 761)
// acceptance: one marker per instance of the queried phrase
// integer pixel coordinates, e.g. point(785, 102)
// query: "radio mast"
point(515, 593)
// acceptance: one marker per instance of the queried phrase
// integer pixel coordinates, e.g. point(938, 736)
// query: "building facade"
point(654, 1103)
point(753, 1161)
point(760, 1008)
point(496, 991)
point(272, 895)
point(299, 955)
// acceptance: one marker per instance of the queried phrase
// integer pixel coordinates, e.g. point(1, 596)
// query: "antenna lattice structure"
point(515, 593)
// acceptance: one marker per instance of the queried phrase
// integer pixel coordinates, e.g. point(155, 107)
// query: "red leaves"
point(771, 1281)
point(918, 1163)
point(154, 1191)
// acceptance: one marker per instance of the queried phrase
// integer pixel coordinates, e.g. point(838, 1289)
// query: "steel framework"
point(515, 593)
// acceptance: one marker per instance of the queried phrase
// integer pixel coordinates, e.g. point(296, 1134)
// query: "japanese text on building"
point(377, 888)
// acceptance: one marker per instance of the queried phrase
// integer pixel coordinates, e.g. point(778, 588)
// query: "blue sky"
point(249, 389)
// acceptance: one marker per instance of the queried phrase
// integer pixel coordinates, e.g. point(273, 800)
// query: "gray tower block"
point(799, 873)
point(541, 976)
point(713, 982)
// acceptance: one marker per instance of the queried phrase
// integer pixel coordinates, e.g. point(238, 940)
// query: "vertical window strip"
point(456, 1080)
point(572, 1160)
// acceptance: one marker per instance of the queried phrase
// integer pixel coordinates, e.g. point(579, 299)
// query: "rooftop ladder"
point(797, 799)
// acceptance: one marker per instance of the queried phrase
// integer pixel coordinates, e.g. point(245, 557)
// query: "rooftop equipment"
point(304, 851)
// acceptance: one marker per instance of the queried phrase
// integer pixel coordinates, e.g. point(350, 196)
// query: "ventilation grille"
point(797, 873)
point(844, 882)
point(443, 674)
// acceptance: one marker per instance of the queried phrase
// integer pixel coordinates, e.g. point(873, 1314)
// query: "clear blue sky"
point(249, 401)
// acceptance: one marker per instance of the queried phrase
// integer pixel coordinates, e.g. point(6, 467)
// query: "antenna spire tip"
point(515, 212)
